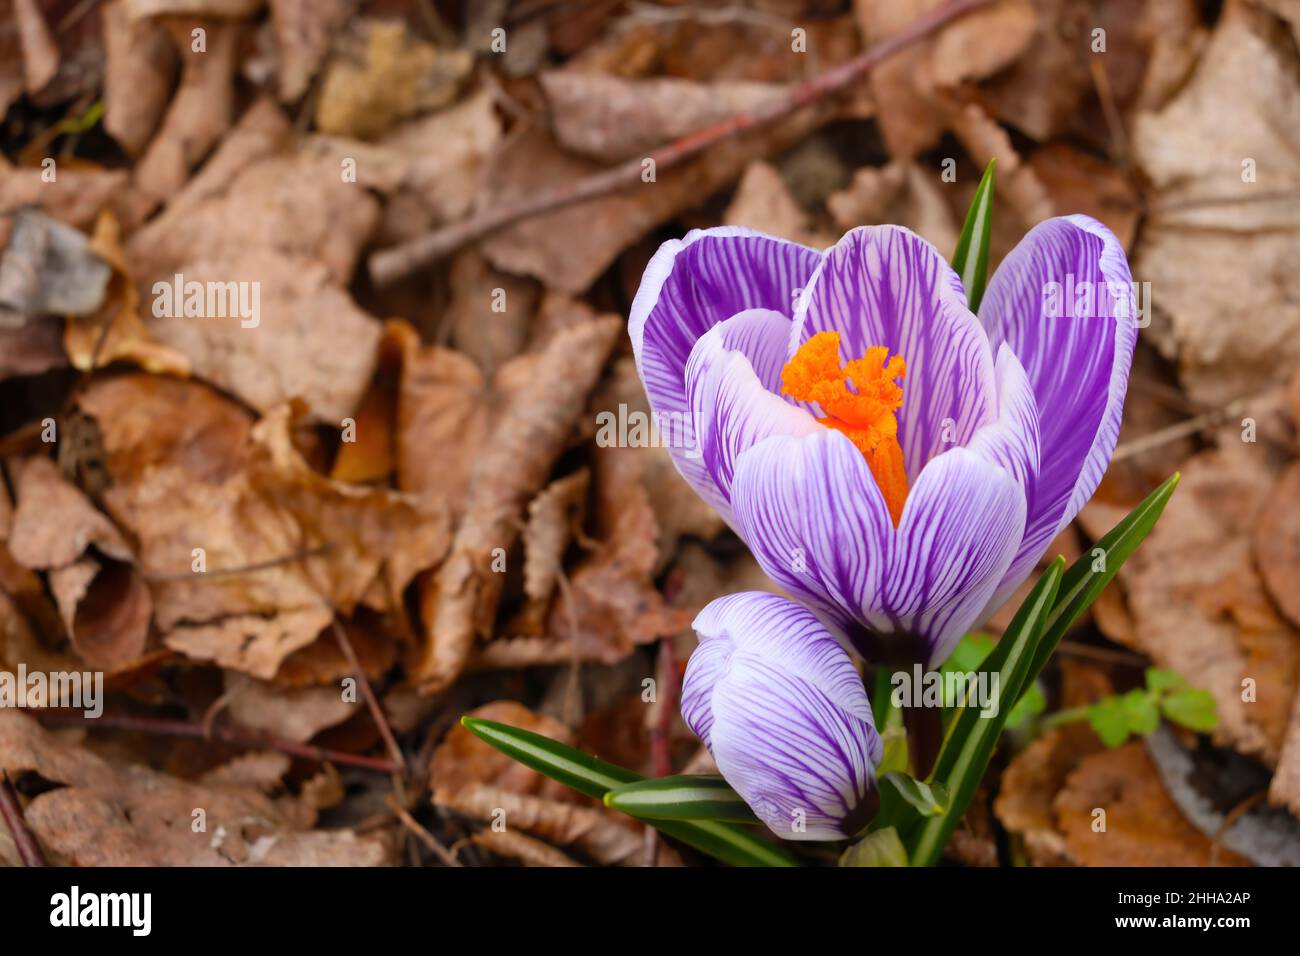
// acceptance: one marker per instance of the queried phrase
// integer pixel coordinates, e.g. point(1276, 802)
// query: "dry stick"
point(29, 851)
point(1164, 436)
point(243, 568)
point(376, 711)
point(238, 738)
point(422, 833)
point(389, 265)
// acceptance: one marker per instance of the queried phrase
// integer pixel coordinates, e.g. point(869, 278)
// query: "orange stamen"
point(866, 414)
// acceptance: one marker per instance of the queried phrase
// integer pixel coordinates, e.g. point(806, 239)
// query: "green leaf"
point(928, 801)
point(1108, 719)
point(1141, 711)
point(1081, 584)
point(1160, 680)
point(685, 797)
point(587, 774)
point(881, 848)
point(971, 257)
point(971, 736)
point(87, 120)
point(1193, 709)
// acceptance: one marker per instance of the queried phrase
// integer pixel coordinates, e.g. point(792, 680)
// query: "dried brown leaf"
point(461, 603)
point(1143, 827)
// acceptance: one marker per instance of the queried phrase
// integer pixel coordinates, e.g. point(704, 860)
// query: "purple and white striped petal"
point(962, 523)
point(732, 407)
point(885, 285)
point(784, 714)
point(1063, 301)
point(816, 522)
point(690, 286)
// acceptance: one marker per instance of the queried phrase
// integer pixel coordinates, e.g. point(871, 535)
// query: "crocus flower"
point(778, 703)
point(894, 461)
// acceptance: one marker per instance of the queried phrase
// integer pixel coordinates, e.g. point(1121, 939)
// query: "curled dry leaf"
point(104, 815)
point(1034, 777)
point(898, 192)
point(1219, 250)
point(593, 832)
point(200, 113)
point(910, 88)
point(114, 332)
point(1143, 827)
point(473, 778)
point(140, 66)
point(490, 311)
point(554, 519)
point(101, 596)
point(40, 51)
point(248, 550)
point(525, 849)
point(1017, 181)
point(611, 604)
point(371, 534)
point(461, 602)
point(296, 713)
point(1277, 544)
point(764, 203)
point(463, 760)
point(304, 30)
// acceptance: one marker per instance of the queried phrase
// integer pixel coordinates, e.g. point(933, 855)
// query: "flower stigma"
point(860, 399)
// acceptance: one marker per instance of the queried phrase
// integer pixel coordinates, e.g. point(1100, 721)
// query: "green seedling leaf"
point(1108, 719)
point(685, 797)
point(1193, 709)
point(1141, 711)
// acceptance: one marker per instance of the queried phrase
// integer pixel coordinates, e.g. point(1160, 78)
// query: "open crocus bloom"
point(892, 460)
point(782, 710)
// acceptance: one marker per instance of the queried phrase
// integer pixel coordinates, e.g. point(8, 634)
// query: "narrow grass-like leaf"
point(971, 257)
point(685, 797)
point(586, 774)
point(1081, 584)
point(972, 736)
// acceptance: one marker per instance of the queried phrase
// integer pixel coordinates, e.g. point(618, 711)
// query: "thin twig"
point(243, 568)
point(376, 711)
point(1164, 436)
point(1124, 658)
point(29, 851)
point(422, 834)
point(389, 265)
point(223, 732)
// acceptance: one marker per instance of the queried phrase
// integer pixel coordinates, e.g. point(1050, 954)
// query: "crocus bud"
point(779, 705)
